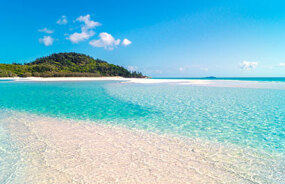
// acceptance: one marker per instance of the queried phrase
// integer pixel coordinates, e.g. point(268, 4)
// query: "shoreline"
point(56, 150)
point(190, 82)
point(123, 79)
point(46, 79)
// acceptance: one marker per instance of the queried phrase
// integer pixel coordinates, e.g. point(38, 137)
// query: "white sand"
point(193, 82)
point(129, 80)
point(124, 80)
point(41, 79)
point(63, 151)
point(170, 81)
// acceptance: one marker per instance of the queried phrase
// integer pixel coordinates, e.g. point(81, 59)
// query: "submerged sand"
point(68, 151)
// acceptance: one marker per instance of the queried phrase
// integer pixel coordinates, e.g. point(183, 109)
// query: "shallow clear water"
point(247, 117)
point(9, 155)
point(244, 116)
point(80, 100)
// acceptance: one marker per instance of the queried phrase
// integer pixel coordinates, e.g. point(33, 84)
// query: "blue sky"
point(159, 38)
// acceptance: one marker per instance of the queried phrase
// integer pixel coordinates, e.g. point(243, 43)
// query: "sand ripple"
point(65, 151)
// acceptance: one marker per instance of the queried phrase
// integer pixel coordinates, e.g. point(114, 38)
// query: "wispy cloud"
point(46, 40)
point(153, 70)
point(132, 68)
point(126, 42)
point(86, 29)
point(107, 41)
point(46, 30)
point(88, 23)
point(247, 65)
point(62, 20)
point(192, 67)
point(281, 65)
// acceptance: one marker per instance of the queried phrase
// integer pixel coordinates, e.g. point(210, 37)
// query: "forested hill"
point(66, 65)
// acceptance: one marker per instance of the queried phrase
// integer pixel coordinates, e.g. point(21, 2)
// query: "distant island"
point(211, 77)
point(66, 65)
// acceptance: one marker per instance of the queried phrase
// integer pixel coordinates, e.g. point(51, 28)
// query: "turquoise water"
point(247, 117)
point(79, 100)
point(6, 80)
point(244, 116)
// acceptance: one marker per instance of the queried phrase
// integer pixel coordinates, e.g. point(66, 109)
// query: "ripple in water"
point(235, 133)
point(68, 151)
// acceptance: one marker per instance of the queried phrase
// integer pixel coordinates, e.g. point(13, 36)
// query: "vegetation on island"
point(66, 65)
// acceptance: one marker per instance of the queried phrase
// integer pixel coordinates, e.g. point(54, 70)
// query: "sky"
point(160, 38)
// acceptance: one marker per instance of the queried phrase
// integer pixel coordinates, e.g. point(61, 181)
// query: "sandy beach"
point(130, 80)
point(194, 82)
point(47, 79)
point(68, 151)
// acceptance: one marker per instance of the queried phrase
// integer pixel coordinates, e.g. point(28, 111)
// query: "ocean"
point(247, 118)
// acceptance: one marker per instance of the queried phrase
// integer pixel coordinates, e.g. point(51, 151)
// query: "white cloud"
point(281, 65)
point(62, 20)
point(132, 68)
point(88, 23)
point(246, 65)
point(126, 42)
point(86, 29)
point(77, 37)
point(46, 30)
point(106, 40)
point(46, 40)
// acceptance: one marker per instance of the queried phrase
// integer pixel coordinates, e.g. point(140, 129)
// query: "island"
point(69, 64)
point(210, 77)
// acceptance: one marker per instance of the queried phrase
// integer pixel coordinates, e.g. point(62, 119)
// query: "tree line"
point(66, 65)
